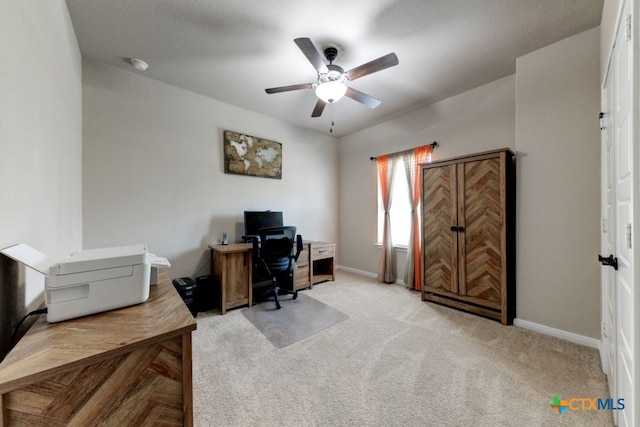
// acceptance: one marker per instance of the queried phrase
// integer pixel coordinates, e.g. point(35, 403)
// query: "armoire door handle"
point(454, 228)
point(460, 229)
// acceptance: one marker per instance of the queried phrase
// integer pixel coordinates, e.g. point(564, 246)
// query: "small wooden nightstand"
point(231, 265)
point(322, 262)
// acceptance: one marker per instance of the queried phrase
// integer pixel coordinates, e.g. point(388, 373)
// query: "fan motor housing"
point(330, 53)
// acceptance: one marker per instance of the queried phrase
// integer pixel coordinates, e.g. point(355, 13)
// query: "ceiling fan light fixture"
point(331, 91)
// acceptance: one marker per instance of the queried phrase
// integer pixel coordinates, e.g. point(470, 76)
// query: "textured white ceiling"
point(232, 50)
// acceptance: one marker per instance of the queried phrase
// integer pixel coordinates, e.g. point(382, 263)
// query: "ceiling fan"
point(332, 79)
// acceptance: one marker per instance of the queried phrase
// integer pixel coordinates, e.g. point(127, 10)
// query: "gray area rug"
point(296, 320)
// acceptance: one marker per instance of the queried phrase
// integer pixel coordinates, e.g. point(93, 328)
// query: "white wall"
point(477, 120)
point(40, 145)
point(558, 142)
point(153, 170)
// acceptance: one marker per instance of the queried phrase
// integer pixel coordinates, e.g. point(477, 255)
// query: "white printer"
point(93, 280)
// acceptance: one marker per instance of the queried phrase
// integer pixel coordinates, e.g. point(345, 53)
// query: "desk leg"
point(249, 259)
point(187, 381)
point(223, 286)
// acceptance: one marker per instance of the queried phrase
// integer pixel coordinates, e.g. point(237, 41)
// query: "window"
point(400, 213)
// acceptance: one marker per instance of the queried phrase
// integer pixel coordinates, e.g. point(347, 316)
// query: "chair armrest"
point(255, 252)
point(298, 247)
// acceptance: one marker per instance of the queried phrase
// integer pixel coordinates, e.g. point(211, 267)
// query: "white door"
point(608, 351)
point(618, 294)
point(619, 169)
point(623, 177)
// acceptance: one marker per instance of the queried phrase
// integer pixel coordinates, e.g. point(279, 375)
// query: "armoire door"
point(480, 225)
point(440, 256)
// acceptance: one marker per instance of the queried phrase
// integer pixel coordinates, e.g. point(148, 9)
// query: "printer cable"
point(12, 343)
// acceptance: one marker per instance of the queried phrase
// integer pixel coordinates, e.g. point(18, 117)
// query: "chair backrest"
point(277, 248)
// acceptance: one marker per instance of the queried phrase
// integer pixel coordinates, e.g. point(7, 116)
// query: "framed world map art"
point(249, 155)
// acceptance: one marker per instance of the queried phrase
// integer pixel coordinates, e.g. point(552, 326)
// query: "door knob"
point(611, 261)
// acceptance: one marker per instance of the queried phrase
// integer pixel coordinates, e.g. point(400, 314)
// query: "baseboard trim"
point(364, 273)
point(558, 333)
point(356, 271)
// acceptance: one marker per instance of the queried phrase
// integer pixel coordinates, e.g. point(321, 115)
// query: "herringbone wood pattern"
point(439, 210)
point(482, 268)
point(135, 389)
point(466, 233)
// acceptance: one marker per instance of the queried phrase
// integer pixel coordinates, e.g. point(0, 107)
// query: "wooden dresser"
point(468, 251)
point(130, 366)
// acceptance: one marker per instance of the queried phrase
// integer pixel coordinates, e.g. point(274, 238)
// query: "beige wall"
point(40, 146)
point(556, 137)
point(477, 120)
point(558, 142)
point(153, 170)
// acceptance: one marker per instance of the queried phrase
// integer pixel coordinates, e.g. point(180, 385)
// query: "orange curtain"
point(387, 270)
point(413, 270)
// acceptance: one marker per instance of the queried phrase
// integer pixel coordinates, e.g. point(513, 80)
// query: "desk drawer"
point(304, 255)
point(320, 252)
point(301, 275)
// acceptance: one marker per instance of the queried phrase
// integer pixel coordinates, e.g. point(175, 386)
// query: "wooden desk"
point(232, 266)
point(130, 366)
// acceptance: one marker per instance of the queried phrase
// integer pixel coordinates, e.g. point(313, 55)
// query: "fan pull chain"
point(332, 122)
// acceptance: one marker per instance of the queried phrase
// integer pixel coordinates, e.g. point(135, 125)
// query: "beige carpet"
point(396, 361)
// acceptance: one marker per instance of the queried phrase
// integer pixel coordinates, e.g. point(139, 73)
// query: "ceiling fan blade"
point(317, 111)
point(379, 64)
point(362, 97)
point(312, 54)
point(288, 88)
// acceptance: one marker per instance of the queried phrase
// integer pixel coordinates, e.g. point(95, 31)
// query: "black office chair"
point(274, 259)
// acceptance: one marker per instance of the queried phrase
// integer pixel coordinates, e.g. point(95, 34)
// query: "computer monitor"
point(255, 220)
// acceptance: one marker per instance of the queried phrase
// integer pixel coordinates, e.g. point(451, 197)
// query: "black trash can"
point(188, 290)
point(208, 294)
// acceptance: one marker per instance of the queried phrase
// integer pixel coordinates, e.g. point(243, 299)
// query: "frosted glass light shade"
point(331, 92)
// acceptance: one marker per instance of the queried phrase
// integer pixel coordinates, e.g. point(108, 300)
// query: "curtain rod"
point(433, 145)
